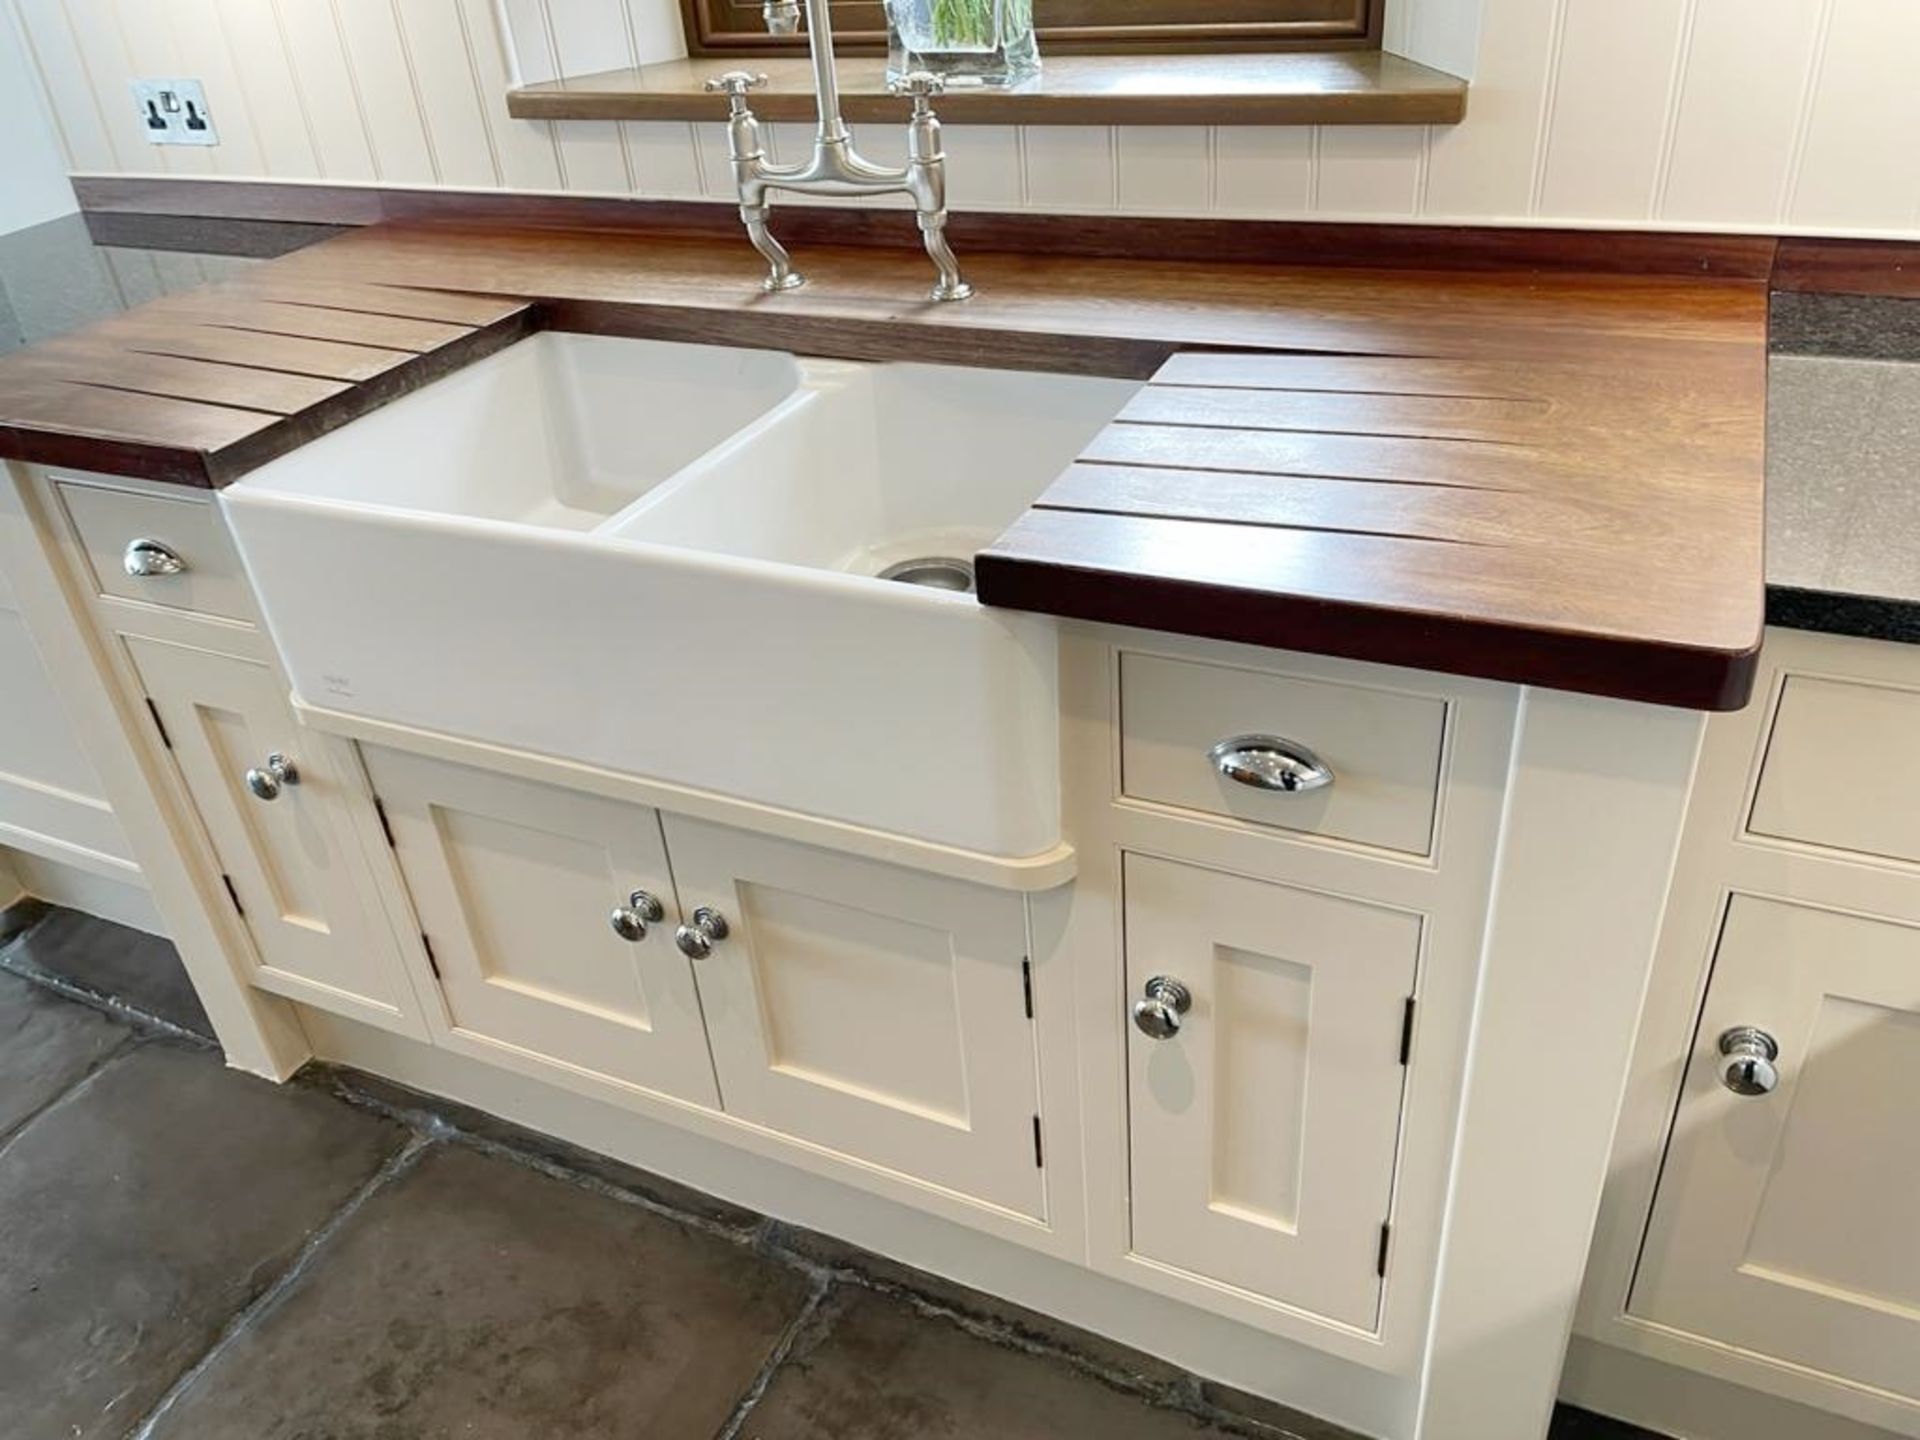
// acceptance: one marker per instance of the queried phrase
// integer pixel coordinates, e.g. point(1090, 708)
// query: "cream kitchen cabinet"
point(273, 803)
point(548, 917)
point(1785, 1219)
point(1265, 1071)
point(872, 1013)
point(882, 1013)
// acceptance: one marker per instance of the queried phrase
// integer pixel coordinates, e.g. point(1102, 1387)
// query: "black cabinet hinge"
point(386, 827)
point(232, 894)
point(1039, 1155)
point(432, 963)
point(1406, 1032)
point(1380, 1261)
point(158, 723)
point(1026, 985)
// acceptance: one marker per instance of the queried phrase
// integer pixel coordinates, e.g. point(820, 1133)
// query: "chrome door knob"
point(265, 781)
point(1747, 1054)
point(1158, 1013)
point(1270, 762)
point(145, 557)
point(697, 938)
point(630, 920)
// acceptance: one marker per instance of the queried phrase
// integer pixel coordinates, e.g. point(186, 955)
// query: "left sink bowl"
point(542, 551)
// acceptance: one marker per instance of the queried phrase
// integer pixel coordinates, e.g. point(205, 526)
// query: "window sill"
point(1353, 87)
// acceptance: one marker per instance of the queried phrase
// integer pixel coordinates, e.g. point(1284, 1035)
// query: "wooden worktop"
point(1553, 478)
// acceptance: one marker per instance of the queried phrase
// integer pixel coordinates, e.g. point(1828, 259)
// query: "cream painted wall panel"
point(1165, 167)
point(591, 156)
point(389, 101)
point(1069, 167)
point(654, 29)
point(1370, 169)
point(103, 55)
point(1445, 34)
point(716, 170)
point(1489, 165)
point(268, 89)
point(446, 80)
point(665, 161)
point(1606, 124)
point(1742, 96)
point(525, 150)
point(147, 48)
point(53, 58)
point(203, 52)
point(325, 89)
point(1857, 159)
point(983, 166)
point(1262, 169)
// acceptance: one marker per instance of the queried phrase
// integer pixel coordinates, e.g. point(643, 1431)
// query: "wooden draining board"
point(1548, 478)
point(1576, 524)
point(200, 388)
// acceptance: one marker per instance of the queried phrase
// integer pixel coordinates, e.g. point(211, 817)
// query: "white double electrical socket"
point(174, 112)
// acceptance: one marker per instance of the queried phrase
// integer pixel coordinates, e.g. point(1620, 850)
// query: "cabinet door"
point(1786, 1222)
point(289, 859)
point(1263, 1131)
point(876, 1011)
point(514, 883)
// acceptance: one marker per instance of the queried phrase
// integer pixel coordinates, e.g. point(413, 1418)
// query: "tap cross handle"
point(736, 84)
point(921, 85)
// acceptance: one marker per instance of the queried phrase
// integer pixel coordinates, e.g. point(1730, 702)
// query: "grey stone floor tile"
point(409, 1103)
point(477, 1298)
point(47, 1045)
point(142, 1213)
point(1109, 1355)
point(112, 961)
point(876, 1369)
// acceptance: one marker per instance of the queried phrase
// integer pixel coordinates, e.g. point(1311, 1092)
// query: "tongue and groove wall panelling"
point(1760, 114)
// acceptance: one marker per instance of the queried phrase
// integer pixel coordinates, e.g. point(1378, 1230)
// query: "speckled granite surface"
point(1843, 495)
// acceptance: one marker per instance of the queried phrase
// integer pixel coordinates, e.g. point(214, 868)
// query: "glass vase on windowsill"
point(964, 42)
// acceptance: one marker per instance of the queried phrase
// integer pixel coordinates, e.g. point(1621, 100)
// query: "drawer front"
point(109, 520)
point(1383, 748)
point(1842, 769)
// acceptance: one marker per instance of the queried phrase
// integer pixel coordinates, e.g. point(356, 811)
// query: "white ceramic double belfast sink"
point(665, 559)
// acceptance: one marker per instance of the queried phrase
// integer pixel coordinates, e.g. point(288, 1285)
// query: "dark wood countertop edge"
point(1680, 676)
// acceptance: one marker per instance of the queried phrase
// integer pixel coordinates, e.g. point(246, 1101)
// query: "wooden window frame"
point(1070, 27)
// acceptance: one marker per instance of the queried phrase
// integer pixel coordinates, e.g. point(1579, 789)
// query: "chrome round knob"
point(630, 920)
point(1157, 1014)
point(144, 558)
point(265, 781)
point(1270, 762)
point(1747, 1054)
point(697, 938)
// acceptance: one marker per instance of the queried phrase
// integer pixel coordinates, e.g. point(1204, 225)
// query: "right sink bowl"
point(665, 559)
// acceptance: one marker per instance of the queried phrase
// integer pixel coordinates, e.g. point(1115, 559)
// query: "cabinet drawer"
point(1841, 769)
point(1383, 748)
point(109, 520)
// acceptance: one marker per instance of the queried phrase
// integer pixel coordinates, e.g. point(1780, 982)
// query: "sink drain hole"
point(935, 572)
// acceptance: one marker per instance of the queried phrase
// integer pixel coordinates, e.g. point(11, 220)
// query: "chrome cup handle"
point(1270, 762)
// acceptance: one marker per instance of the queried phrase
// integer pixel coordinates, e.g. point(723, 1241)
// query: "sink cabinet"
point(283, 857)
point(876, 1014)
point(884, 1014)
point(514, 884)
point(1263, 1131)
